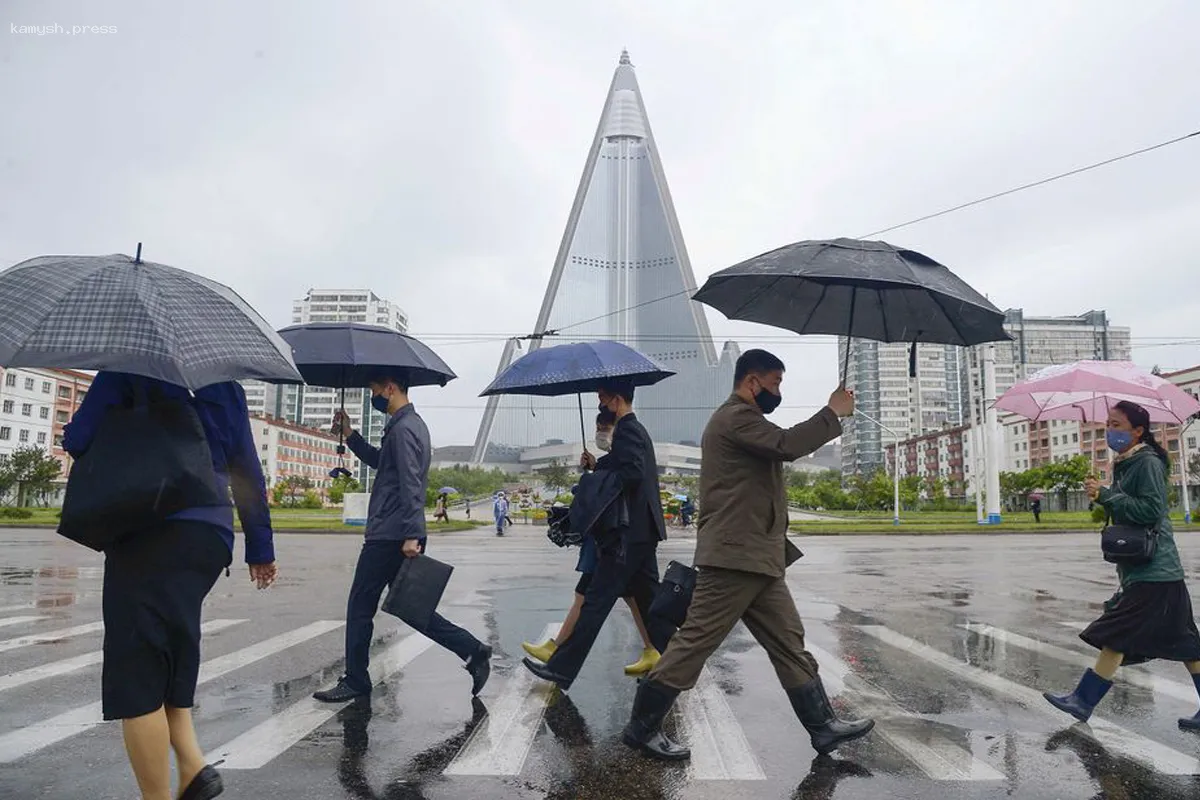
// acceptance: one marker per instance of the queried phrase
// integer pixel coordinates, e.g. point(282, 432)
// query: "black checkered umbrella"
point(123, 314)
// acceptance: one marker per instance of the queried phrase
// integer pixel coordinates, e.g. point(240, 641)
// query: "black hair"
point(606, 418)
point(621, 387)
point(756, 361)
point(396, 376)
point(1140, 418)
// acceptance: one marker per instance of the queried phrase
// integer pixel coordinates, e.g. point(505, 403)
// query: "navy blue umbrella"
point(348, 355)
point(574, 369)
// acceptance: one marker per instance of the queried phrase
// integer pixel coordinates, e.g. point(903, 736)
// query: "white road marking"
point(1130, 675)
point(17, 607)
point(720, 751)
point(939, 757)
point(48, 636)
point(500, 743)
point(1113, 737)
point(269, 739)
point(68, 665)
point(32, 738)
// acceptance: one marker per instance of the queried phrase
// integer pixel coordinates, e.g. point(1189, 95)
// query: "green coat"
point(1138, 496)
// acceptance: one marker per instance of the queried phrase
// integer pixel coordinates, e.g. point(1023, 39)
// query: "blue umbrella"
point(574, 369)
point(447, 490)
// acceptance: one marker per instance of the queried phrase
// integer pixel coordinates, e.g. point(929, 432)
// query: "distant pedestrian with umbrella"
point(1151, 617)
point(395, 531)
point(160, 442)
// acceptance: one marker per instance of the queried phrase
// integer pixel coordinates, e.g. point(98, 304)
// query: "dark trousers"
point(378, 564)
point(636, 576)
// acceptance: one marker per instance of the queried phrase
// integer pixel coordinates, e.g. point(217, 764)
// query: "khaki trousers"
point(721, 598)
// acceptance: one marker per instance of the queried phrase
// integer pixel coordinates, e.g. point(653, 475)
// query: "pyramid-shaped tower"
point(622, 272)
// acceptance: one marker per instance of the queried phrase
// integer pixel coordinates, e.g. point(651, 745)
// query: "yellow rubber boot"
point(644, 664)
point(541, 652)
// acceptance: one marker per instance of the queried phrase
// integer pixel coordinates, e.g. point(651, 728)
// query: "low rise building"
point(288, 450)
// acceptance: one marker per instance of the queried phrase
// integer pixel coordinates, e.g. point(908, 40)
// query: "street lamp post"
point(895, 464)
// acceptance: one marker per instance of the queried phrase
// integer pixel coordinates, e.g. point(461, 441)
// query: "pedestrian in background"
point(395, 531)
point(500, 512)
point(1151, 617)
point(155, 582)
point(741, 555)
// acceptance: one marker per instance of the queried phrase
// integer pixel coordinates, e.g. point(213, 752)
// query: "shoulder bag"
point(1128, 545)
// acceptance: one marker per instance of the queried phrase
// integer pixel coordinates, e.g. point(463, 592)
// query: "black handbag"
point(674, 593)
point(558, 520)
point(1129, 545)
point(149, 459)
point(417, 590)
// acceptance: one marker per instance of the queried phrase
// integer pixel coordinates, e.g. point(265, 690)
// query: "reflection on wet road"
point(947, 642)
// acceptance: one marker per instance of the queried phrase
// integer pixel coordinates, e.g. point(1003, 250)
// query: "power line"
point(924, 218)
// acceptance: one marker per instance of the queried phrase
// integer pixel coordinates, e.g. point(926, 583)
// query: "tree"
point(557, 476)
point(33, 472)
point(8, 478)
point(910, 490)
point(799, 478)
point(1193, 467)
point(342, 486)
point(1067, 476)
point(290, 491)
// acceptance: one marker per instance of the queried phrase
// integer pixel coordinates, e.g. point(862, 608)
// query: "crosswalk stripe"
point(48, 636)
point(941, 759)
point(32, 738)
point(269, 739)
point(1075, 625)
point(720, 750)
point(68, 665)
point(1113, 737)
point(500, 743)
point(17, 607)
point(1130, 675)
point(4, 623)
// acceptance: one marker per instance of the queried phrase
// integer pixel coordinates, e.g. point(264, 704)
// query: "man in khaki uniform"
point(741, 554)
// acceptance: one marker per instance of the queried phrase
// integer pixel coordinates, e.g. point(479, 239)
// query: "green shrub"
point(1098, 514)
point(15, 513)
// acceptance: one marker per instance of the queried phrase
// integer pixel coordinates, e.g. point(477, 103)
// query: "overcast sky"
point(430, 150)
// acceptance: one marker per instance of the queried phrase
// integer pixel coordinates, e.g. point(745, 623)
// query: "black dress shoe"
point(480, 667)
point(546, 674)
point(206, 785)
point(342, 693)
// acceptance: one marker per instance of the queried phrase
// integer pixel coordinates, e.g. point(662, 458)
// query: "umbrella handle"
point(849, 331)
point(582, 430)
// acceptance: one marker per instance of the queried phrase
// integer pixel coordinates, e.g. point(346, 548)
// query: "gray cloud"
point(430, 150)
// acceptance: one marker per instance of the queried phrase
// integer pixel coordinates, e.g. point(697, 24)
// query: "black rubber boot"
point(644, 731)
point(811, 705)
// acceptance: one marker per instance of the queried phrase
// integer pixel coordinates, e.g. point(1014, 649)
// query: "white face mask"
point(604, 440)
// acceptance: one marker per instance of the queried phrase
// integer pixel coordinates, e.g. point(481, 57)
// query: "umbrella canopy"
point(123, 314)
point(1086, 390)
point(860, 289)
point(575, 368)
point(447, 490)
point(344, 355)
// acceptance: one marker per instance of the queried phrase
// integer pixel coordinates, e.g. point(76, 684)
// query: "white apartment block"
point(27, 406)
point(286, 449)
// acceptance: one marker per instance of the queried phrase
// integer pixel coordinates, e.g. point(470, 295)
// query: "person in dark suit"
point(628, 562)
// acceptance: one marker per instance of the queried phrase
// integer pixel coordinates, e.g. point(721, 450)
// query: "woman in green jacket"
point(1151, 617)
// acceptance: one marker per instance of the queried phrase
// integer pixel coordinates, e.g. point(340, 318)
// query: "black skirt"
point(154, 586)
point(1148, 621)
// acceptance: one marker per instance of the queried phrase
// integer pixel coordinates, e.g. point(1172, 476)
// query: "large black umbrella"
point(575, 368)
point(858, 289)
point(127, 315)
point(348, 355)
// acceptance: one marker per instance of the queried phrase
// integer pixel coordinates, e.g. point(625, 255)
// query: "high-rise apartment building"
point(313, 406)
point(949, 377)
point(622, 272)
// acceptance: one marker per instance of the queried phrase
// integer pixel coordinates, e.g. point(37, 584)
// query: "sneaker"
point(342, 693)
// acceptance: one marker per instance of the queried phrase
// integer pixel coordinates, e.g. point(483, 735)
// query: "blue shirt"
point(222, 410)
point(396, 511)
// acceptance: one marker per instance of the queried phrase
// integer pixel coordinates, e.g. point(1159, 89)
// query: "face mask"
point(604, 441)
point(379, 403)
point(767, 400)
point(1119, 440)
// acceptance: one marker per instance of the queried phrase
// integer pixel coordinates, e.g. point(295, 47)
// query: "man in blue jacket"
point(395, 531)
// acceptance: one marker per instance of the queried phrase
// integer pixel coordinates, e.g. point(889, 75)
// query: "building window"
point(1055, 441)
point(264, 447)
point(23, 438)
point(29, 384)
point(44, 412)
point(27, 409)
point(8, 406)
point(10, 380)
point(61, 417)
point(41, 437)
point(58, 440)
point(1191, 442)
point(1075, 438)
point(64, 392)
point(1173, 445)
point(5, 434)
point(46, 387)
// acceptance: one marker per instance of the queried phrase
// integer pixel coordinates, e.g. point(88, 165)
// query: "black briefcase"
point(417, 590)
point(674, 593)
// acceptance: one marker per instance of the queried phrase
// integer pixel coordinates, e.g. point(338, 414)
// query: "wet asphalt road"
point(947, 641)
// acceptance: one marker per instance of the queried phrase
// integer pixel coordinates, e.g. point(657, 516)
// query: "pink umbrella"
point(1084, 392)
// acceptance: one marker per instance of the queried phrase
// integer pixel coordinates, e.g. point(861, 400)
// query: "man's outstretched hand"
point(841, 402)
